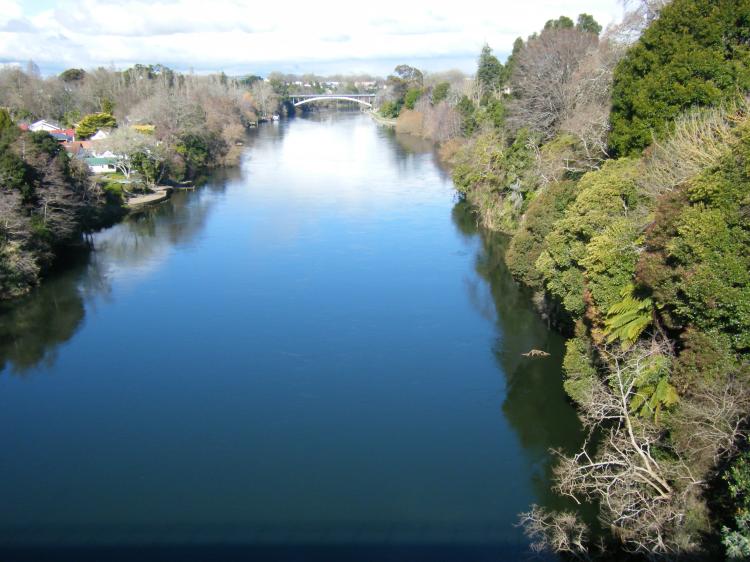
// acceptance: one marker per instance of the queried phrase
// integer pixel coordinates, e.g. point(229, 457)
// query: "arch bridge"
point(364, 99)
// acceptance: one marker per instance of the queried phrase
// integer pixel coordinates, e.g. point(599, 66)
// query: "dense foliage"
point(45, 201)
point(644, 260)
point(90, 124)
point(696, 53)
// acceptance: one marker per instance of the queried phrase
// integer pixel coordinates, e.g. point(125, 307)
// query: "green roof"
point(99, 161)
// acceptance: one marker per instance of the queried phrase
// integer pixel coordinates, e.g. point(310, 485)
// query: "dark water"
point(314, 355)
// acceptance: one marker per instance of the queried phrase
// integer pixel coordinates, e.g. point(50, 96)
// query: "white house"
point(44, 125)
point(100, 134)
point(101, 165)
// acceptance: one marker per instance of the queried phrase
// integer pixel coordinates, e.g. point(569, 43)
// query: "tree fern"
point(627, 318)
point(653, 391)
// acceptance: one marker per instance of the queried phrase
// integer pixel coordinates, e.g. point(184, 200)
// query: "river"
point(314, 352)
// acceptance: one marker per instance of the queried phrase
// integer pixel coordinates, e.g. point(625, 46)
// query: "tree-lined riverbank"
point(630, 226)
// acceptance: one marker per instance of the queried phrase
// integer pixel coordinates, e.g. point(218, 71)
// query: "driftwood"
point(536, 353)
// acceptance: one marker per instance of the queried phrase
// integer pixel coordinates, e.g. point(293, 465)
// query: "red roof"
point(23, 127)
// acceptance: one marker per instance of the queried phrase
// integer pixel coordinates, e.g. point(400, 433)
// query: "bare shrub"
point(699, 140)
point(555, 532)
point(410, 121)
point(710, 423)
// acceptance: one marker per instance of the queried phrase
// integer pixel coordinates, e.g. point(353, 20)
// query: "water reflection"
point(535, 403)
point(33, 328)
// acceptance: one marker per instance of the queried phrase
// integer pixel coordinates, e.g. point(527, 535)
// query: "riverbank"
point(380, 120)
point(637, 249)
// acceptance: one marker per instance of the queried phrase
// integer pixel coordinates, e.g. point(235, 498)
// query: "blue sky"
point(239, 36)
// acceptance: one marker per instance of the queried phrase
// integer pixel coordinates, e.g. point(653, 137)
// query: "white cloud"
point(252, 37)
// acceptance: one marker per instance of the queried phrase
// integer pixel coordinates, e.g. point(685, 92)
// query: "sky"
point(246, 37)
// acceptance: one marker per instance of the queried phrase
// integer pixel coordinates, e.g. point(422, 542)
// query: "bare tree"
point(643, 497)
point(587, 105)
point(710, 424)
point(541, 75)
point(442, 122)
point(639, 14)
point(264, 97)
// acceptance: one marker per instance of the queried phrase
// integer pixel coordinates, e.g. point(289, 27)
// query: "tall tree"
point(490, 73)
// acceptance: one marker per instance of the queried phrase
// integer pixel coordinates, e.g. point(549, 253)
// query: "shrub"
point(604, 213)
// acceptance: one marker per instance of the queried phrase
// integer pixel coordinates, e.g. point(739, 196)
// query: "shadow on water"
point(33, 328)
point(535, 402)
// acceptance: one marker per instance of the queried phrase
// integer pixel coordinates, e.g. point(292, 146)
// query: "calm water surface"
point(317, 348)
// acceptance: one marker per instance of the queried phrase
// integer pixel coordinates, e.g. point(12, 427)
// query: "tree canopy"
point(490, 71)
point(696, 53)
point(90, 124)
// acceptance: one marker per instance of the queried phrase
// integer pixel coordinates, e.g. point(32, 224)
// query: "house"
point(101, 165)
point(77, 147)
point(100, 134)
point(63, 135)
point(44, 125)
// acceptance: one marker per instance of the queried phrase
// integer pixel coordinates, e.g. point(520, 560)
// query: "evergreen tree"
point(490, 72)
point(587, 23)
point(696, 53)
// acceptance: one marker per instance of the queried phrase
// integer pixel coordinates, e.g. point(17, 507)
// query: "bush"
point(608, 202)
point(390, 109)
point(695, 53)
point(440, 92)
point(497, 178)
point(89, 125)
point(528, 241)
point(411, 97)
point(696, 261)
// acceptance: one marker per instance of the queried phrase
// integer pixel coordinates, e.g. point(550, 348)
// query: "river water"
point(316, 351)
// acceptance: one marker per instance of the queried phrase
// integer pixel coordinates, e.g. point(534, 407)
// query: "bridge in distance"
point(364, 99)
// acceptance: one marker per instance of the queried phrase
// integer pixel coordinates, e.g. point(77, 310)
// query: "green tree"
point(440, 92)
point(411, 97)
point(468, 119)
point(73, 75)
point(587, 23)
point(390, 109)
point(563, 22)
point(107, 106)
point(513, 57)
point(696, 53)
point(490, 73)
point(591, 249)
point(737, 540)
point(5, 120)
point(93, 122)
point(412, 76)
